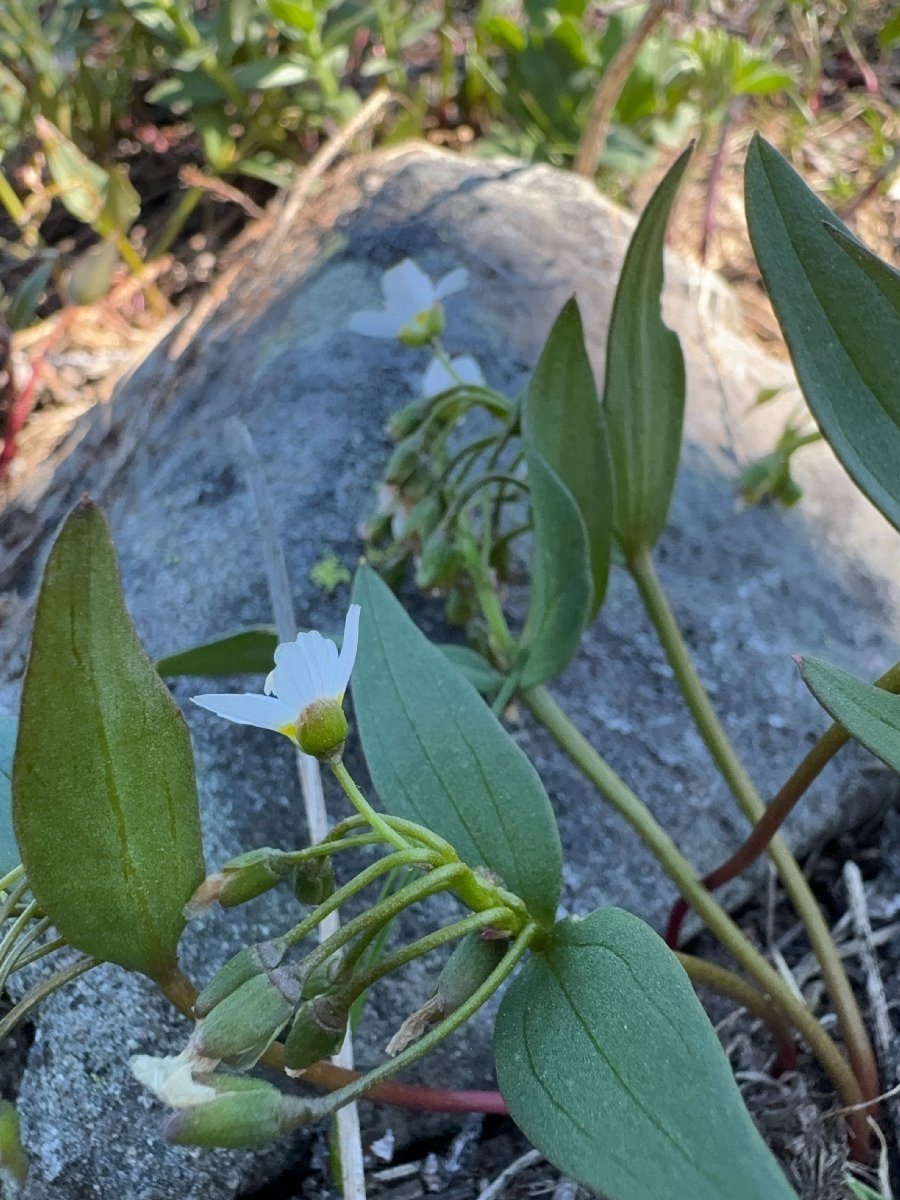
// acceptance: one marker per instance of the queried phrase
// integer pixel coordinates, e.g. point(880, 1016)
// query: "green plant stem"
point(680, 871)
point(719, 979)
point(398, 859)
point(781, 805)
point(11, 877)
point(176, 222)
point(490, 918)
point(439, 880)
point(362, 806)
point(408, 828)
point(434, 1037)
point(40, 952)
point(859, 1048)
point(41, 991)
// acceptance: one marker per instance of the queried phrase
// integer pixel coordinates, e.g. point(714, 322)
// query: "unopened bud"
point(322, 730)
point(240, 969)
point(241, 1027)
point(245, 1114)
point(423, 517)
point(404, 460)
point(318, 1032)
point(323, 978)
point(439, 564)
point(460, 606)
point(406, 420)
point(252, 874)
point(467, 968)
point(314, 880)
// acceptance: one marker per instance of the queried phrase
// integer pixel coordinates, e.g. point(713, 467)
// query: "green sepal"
point(318, 1031)
point(242, 1026)
point(240, 969)
point(246, 1115)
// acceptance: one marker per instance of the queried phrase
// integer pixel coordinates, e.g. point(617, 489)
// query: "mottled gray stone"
point(751, 587)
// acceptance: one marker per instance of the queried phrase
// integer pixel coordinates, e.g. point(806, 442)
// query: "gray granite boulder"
point(751, 587)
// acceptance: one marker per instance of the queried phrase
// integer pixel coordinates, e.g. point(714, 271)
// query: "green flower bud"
point(406, 420)
point(314, 881)
point(403, 460)
point(241, 1027)
point(246, 1114)
point(470, 964)
point(318, 1032)
point(460, 606)
point(424, 326)
point(251, 875)
point(439, 564)
point(423, 517)
point(323, 978)
point(240, 968)
point(322, 730)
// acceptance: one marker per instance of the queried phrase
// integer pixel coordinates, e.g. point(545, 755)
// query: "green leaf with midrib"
point(612, 1069)
point(438, 755)
point(104, 796)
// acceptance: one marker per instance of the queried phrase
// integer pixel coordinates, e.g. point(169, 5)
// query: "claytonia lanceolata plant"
point(603, 1053)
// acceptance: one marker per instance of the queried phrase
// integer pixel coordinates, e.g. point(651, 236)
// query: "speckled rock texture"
point(751, 588)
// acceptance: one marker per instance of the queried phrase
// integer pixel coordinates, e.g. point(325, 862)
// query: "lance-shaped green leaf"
point(246, 652)
point(563, 422)
point(104, 797)
point(561, 588)
point(885, 277)
point(610, 1066)
point(840, 324)
point(868, 713)
point(9, 849)
point(252, 652)
point(438, 755)
point(643, 396)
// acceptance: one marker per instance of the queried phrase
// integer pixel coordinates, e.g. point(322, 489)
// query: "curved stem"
point(362, 806)
point(443, 1029)
point(42, 990)
point(727, 983)
point(859, 1048)
point(680, 871)
point(493, 918)
point(408, 828)
point(356, 884)
point(439, 880)
point(780, 807)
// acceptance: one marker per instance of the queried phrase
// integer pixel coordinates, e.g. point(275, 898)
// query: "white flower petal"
point(467, 368)
point(407, 289)
point(440, 378)
point(170, 1080)
point(436, 379)
point(376, 324)
point(453, 281)
point(265, 712)
point(320, 656)
point(292, 681)
point(349, 647)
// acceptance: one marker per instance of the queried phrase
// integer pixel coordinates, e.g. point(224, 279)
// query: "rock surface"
point(751, 588)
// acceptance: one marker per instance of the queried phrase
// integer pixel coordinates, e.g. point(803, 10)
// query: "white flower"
point(439, 377)
point(170, 1079)
point(413, 312)
point(307, 673)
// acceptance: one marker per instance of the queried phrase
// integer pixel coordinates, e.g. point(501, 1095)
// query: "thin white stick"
point(531, 1159)
point(349, 1140)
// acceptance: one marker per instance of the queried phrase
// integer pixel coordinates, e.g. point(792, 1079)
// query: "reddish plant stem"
point(775, 815)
